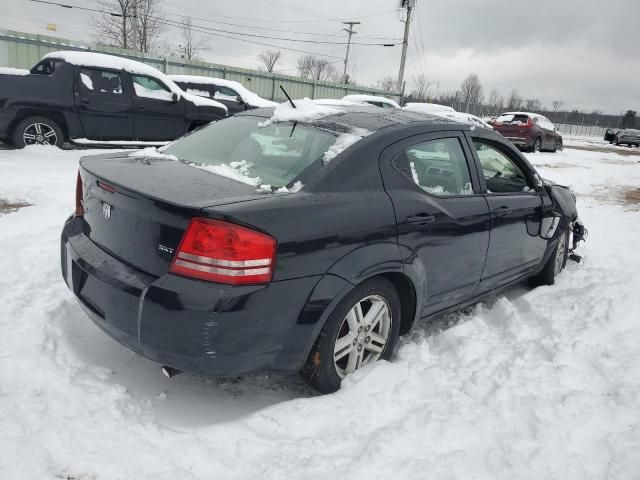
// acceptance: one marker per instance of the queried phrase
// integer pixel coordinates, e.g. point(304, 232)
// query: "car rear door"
point(515, 203)
point(442, 217)
point(158, 114)
point(104, 104)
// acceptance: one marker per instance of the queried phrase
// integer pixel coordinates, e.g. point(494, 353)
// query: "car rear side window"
point(97, 81)
point(501, 173)
point(438, 167)
point(271, 155)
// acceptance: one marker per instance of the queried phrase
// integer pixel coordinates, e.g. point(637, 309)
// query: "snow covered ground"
point(535, 384)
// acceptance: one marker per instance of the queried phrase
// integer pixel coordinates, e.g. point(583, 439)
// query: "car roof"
point(369, 118)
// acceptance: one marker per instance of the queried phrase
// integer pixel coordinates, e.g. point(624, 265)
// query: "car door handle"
point(502, 211)
point(421, 219)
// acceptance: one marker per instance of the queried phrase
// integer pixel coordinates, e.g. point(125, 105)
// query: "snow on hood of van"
point(247, 95)
point(101, 60)
point(306, 111)
point(13, 71)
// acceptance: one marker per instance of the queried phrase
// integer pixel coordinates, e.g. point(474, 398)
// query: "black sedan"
point(251, 246)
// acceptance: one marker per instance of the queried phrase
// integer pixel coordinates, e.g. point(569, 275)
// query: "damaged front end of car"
point(565, 206)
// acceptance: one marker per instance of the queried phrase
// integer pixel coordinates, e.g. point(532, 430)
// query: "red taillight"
point(223, 252)
point(79, 208)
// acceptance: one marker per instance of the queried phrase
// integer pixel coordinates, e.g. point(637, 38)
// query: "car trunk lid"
point(137, 208)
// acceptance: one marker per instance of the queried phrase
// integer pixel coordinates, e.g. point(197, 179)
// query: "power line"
point(217, 31)
point(197, 30)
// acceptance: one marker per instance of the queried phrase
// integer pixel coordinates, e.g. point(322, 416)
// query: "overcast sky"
point(583, 52)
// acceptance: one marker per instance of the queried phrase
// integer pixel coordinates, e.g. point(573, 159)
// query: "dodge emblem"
point(106, 211)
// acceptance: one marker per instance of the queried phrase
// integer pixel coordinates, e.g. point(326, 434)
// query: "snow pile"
point(13, 71)
point(247, 95)
point(370, 98)
point(265, 188)
point(344, 141)
point(152, 152)
point(306, 111)
point(536, 384)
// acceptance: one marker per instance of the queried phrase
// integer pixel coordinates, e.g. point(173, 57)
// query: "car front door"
point(159, 113)
point(103, 104)
point(442, 217)
point(230, 98)
point(516, 248)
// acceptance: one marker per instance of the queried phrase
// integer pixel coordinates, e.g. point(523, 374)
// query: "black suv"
point(87, 97)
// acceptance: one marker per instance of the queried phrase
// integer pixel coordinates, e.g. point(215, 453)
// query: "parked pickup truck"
point(86, 97)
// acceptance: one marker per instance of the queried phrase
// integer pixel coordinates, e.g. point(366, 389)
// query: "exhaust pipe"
point(170, 372)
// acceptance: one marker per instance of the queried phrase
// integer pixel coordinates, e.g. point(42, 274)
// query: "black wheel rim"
point(39, 134)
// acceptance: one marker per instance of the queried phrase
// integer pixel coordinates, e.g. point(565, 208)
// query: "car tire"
point(326, 366)
point(37, 131)
point(537, 145)
point(555, 264)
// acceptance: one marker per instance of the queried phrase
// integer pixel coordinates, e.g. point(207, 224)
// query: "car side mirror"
point(175, 98)
point(555, 129)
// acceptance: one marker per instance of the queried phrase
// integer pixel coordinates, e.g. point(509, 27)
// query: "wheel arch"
point(55, 116)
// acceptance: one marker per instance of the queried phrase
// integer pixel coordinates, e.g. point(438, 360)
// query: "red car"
point(529, 131)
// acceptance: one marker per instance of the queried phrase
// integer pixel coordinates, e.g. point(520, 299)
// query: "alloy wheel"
point(39, 134)
point(537, 145)
point(363, 335)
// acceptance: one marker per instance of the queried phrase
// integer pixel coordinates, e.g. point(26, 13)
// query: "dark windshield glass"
point(275, 154)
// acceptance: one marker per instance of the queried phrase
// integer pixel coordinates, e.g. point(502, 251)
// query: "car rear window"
point(512, 118)
point(276, 154)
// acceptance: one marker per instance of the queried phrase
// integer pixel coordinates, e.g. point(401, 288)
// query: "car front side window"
point(501, 173)
point(147, 87)
point(439, 167)
point(224, 93)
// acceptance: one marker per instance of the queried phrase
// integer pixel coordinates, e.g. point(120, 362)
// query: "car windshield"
point(272, 155)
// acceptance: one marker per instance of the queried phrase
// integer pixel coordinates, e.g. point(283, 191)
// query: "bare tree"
point(114, 27)
point(557, 105)
point(191, 45)
point(533, 105)
point(148, 24)
point(495, 102)
point(387, 83)
point(423, 86)
point(315, 68)
point(269, 58)
point(514, 102)
point(471, 91)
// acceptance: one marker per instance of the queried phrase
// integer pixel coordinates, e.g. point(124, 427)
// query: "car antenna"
point(288, 97)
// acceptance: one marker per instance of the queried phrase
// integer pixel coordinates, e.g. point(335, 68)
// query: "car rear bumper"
point(520, 141)
point(192, 325)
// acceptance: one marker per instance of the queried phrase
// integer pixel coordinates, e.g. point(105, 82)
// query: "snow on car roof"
point(247, 95)
point(369, 98)
point(101, 60)
point(427, 107)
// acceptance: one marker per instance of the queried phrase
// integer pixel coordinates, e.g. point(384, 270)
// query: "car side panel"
point(42, 95)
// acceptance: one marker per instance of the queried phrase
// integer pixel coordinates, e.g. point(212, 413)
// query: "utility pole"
point(409, 5)
point(350, 31)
